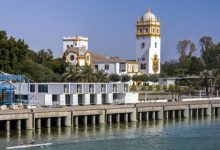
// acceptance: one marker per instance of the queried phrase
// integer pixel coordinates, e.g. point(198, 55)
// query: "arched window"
point(155, 44)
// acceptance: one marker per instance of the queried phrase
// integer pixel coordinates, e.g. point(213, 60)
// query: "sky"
point(109, 24)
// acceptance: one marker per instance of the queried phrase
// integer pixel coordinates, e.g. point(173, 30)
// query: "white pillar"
point(110, 119)
point(7, 125)
point(93, 120)
point(147, 116)
point(126, 117)
point(38, 123)
point(140, 116)
point(167, 114)
point(58, 122)
point(62, 99)
point(85, 120)
point(74, 99)
point(86, 99)
point(18, 124)
point(109, 98)
point(48, 122)
point(153, 115)
point(118, 118)
point(98, 98)
point(76, 121)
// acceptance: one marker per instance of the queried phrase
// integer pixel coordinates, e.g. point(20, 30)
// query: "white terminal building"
point(62, 94)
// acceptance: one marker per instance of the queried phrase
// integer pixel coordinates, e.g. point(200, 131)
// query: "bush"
point(125, 78)
point(133, 87)
point(114, 77)
point(144, 88)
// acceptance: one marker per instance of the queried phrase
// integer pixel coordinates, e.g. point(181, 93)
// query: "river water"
point(191, 134)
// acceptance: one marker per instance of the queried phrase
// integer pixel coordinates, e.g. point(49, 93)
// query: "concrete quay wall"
point(105, 114)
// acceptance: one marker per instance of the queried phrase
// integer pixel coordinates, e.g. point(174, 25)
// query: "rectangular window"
point(97, 67)
point(122, 67)
point(140, 30)
point(42, 88)
point(143, 66)
point(106, 67)
point(32, 88)
point(155, 44)
point(146, 30)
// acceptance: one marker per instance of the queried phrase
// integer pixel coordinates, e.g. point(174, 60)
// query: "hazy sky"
point(109, 24)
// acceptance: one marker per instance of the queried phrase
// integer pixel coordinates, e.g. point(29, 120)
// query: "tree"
point(125, 78)
point(72, 74)
point(101, 76)
point(206, 43)
point(44, 56)
point(87, 74)
point(57, 65)
point(114, 77)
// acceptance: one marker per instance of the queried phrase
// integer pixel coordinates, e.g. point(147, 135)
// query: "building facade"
point(148, 43)
point(61, 94)
point(132, 68)
point(75, 41)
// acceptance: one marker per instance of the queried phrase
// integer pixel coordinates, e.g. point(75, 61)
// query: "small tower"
point(75, 41)
point(148, 43)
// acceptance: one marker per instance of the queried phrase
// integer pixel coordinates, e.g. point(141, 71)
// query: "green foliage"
point(144, 88)
point(133, 87)
point(158, 88)
point(101, 76)
point(164, 88)
point(150, 88)
point(125, 78)
point(114, 77)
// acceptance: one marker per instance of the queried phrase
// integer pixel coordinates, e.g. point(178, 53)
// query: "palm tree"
point(72, 74)
point(206, 75)
point(101, 76)
point(87, 74)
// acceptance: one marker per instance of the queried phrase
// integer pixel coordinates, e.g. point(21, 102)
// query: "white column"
point(86, 99)
point(98, 98)
point(109, 98)
point(147, 116)
point(140, 116)
point(62, 99)
point(74, 99)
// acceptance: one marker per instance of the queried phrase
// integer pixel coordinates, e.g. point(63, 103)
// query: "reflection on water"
point(166, 134)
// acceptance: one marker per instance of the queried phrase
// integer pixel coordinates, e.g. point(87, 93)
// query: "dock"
point(69, 116)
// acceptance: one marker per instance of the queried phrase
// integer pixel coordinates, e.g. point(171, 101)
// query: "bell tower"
point(148, 43)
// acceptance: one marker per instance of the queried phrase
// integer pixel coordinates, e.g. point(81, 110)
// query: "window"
point(157, 30)
point(153, 30)
point(96, 67)
point(106, 67)
point(71, 45)
point(155, 44)
point(143, 66)
point(143, 59)
point(122, 67)
point(43, 88)
point(32, 88)
point(140, 30)
point(146, 30)
point(75, 43)
point(54, 98)
point(72, 57)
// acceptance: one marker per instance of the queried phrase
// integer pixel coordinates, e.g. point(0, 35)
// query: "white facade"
point(75, 41)
point(61, 94)
point(148, 44)
point(112, 68)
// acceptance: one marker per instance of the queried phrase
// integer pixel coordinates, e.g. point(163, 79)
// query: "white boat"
point(29, 145)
